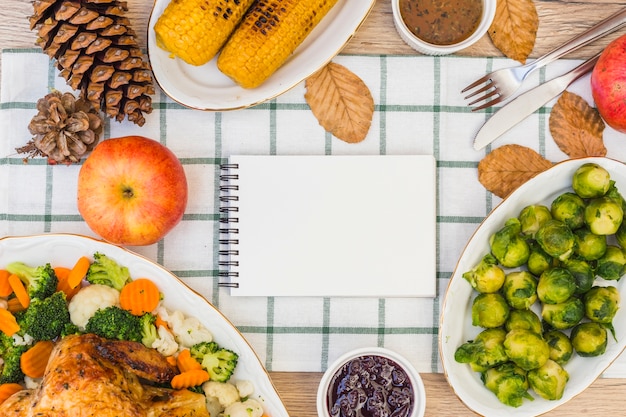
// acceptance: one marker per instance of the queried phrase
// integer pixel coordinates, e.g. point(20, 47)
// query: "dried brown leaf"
point(576, 127)
point(508, 167)
point(341, 102)
point(514, 28)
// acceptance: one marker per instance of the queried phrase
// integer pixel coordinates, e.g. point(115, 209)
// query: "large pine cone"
point(64, 129)
point(97, 53)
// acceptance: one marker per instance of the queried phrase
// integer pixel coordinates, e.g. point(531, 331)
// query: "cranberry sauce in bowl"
point(369, 383)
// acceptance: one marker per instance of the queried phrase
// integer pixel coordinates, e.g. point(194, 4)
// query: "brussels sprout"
point(601, 304)
point(487, 276)
point(555, 285)
point(520, 289)
point(604, 215)
point(532, 217)
point(549, 380)
point(556, 239)
point(489, 310)
point(523, 319)
point(583, 274)
point(591, 181)
point(538, 260)
point(508, 246)
point(612, 265)
point(589, 246)
point(560, 346)
point(570, 209)
point(589, 339)
point(484, 352)
point(508, 382)
point(563, 315)
point(620, 235)
point(526, 349)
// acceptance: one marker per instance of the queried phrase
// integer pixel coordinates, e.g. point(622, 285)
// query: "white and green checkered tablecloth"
point(418, 110)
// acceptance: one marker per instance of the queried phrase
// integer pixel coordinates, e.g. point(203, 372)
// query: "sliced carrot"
point(190, 378)
point(78, 271)
point(5, 287)
point(140, 296)
point(8, 389)
point(14, 305)
point(63, 274)
point(160, 322)
point(171, 360)
point(20, 290)
point(8, 323)
point(185, 362)
point(34, 361)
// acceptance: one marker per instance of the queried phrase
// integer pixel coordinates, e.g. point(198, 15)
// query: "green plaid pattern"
point(418, 111)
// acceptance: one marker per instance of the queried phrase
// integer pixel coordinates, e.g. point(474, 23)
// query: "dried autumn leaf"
point(341, 102)
point(508, 167)
point(514, 28)
point(576, 127)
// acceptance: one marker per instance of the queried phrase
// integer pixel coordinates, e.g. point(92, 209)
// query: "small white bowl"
point(419, 394)
point(489, 12)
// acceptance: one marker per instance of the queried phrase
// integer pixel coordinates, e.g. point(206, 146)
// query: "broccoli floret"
point(115, 323)
point(11, 353)
point(107, 271)
point(70, 329)
point(40, 281)
point(45, 319)
point(148, 329)
point(219, 362)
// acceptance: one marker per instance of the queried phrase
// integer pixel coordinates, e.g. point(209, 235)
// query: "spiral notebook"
point(328, 225)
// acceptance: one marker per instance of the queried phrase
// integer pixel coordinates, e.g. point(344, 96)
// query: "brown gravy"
point(442, 22)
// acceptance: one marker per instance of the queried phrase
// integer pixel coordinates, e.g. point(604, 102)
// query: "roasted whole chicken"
point(91, 376)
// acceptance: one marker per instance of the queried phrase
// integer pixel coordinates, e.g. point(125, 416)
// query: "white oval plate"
point(455, 324)
point(206, 88)
point(65, 249)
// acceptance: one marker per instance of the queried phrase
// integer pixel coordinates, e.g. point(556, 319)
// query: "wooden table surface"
point(559, 20)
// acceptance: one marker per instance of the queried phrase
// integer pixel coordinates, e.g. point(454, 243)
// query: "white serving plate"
point(455, 323)
point(65, 249)
point(206, 88)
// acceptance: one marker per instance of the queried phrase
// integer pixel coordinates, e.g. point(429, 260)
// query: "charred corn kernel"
point(195, 30)
point(269, 33)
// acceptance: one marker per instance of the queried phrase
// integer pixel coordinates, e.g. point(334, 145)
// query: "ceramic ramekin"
point(419, 395)
point(489, 11)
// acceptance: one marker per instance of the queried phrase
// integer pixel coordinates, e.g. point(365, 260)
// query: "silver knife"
point(525, 104)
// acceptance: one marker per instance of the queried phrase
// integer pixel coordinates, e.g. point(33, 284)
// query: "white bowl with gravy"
point(434, 27)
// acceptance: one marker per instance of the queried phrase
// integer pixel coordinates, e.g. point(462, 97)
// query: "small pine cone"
point(64, 129)
point(97, 53)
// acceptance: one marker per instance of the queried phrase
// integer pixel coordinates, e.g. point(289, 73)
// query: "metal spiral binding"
point(227, 209)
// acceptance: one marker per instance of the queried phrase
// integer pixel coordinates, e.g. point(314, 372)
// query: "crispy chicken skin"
point(91, 376)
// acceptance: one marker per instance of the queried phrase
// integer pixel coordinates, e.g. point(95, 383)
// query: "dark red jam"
point(370, 386)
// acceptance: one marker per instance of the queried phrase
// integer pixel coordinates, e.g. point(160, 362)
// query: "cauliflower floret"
point(165, 343)
point(224, 392)
point(247, 408)
point(245, 388)
point(90, 299)
point(32, 383)
point(188, 331)
point(25, 340)
point(4, 303)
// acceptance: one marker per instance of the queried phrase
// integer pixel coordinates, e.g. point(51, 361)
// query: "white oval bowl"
point(416, 381)
point(489, 12)
point(65, 249)
point(455, 327)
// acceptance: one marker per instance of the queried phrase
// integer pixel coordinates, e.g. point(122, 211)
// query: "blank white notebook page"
point(335, 226)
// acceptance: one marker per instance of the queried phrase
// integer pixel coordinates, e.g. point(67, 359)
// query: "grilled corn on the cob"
point(195, 30)
point(268, 34)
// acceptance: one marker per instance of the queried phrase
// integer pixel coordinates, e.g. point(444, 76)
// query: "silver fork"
point(501, 84)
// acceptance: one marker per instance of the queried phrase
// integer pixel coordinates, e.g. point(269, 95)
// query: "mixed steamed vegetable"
point(41, 304)
point(544, 291)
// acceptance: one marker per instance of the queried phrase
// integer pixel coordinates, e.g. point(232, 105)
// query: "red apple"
point(132, 190)
point(608, 84)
